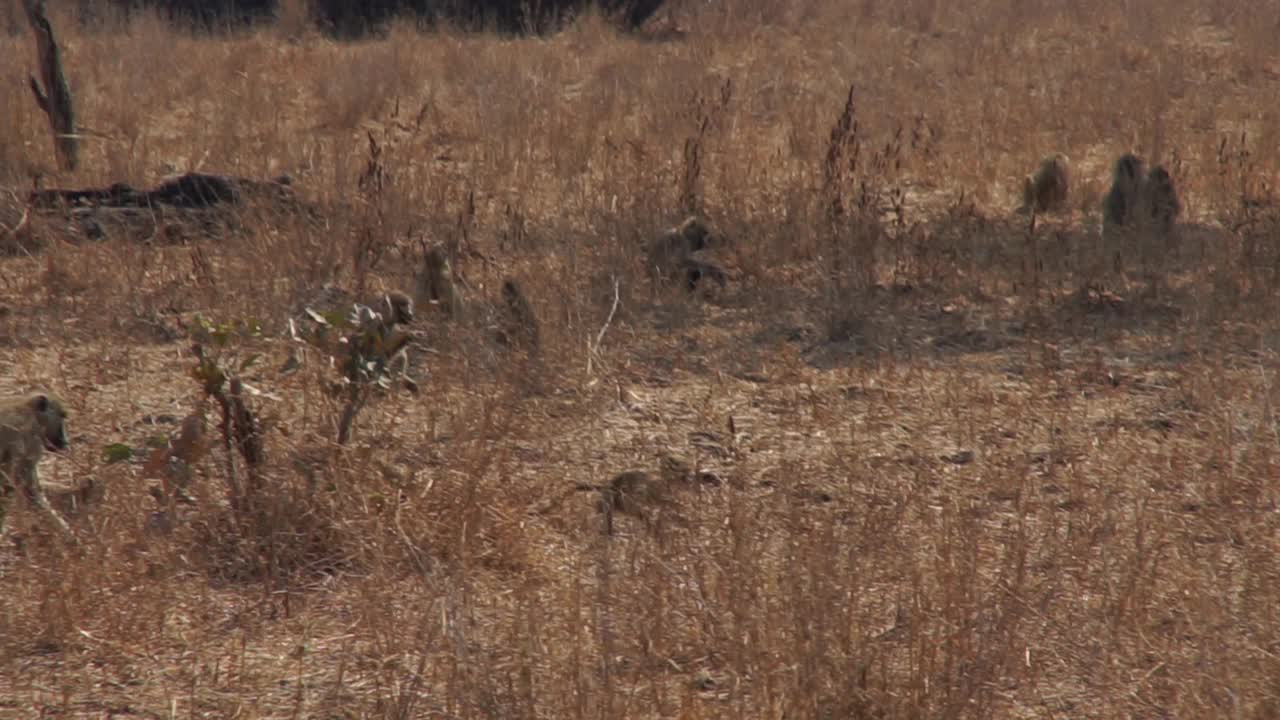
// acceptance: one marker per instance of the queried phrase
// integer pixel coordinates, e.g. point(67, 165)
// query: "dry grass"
point(974, 470)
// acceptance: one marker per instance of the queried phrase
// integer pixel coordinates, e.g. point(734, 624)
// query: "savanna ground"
point(970, 468)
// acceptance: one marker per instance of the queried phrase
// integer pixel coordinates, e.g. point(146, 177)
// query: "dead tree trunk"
point(55, 99)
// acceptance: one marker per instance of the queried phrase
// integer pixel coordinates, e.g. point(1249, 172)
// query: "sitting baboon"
point(435, 285)
point(1128, 188)
point(643, 494)
point(671, 256)
point(1162, 198)
point(1046, 190)
point(518, 324)
point(29, 425)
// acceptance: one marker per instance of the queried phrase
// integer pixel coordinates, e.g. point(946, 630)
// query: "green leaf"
point(117, 452)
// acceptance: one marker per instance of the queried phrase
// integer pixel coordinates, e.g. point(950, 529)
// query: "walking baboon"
point(1046, 190)
point(1121, 206)
point(643, 494)
point(29, 425)
point(518, 325)
point(435, 284)
point(1162, 198)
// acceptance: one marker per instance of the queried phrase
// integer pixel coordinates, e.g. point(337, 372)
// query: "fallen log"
point(191, 190)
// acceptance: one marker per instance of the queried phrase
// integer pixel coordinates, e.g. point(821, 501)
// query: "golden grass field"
point(970, 468)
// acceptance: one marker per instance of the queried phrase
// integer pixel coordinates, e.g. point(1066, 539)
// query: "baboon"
point(175, 464)
point(695, 270)
point(1121, 206)
point(398, 307)
point(332, 304)
point(677, 244)
point(29, 425)
point(670, 256)
point(379, 337)
point(1046, 190)
point(435, 284)
point(1162, 198)
point(518, 324)
point(643, 494)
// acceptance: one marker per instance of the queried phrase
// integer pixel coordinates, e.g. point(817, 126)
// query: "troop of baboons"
point(1138, 198)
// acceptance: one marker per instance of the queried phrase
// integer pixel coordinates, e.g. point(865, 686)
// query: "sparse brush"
point(962, 478)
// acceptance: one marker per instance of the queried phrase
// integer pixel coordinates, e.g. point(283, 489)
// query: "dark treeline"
point(357, 18)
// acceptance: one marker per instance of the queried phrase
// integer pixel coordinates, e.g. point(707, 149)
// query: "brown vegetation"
point(961, 476)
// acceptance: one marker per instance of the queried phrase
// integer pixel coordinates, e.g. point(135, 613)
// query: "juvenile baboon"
point(643, 494)
point(174, 465)
point(1121, 206)
point(29, 425)
point(518, 326)
point(435, 284)
point(1162, 198)
point(1046, 190)
point(398, 307)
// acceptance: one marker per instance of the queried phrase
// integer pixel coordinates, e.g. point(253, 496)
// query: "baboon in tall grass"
point(29, 425)
point(643, 494)
point(379, 336)
point(1123, 202)
point(518, 325)
point(435, 285)
point(1046, 190)
point(1162, 198)
point(671, 255)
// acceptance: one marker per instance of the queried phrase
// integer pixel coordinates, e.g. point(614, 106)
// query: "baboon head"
point(1160, 179)
point(1129, 170)
point(436, 261)
point(695, 233)
point(51, 418)
point(675, 468)
point(399, 307)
